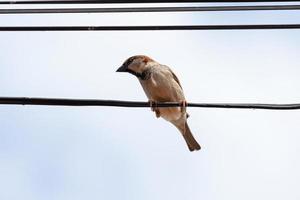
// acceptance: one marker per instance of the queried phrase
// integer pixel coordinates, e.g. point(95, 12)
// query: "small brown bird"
point(161, 85)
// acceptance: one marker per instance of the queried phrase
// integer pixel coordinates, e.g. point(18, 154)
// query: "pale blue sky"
point(65, 153)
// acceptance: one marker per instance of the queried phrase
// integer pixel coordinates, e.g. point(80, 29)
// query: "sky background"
point(71, 153)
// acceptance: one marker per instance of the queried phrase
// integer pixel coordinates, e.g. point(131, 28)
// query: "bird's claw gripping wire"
point(153, 105)
point(183, 105)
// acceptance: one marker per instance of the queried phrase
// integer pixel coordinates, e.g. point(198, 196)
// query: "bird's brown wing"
point(175, 77)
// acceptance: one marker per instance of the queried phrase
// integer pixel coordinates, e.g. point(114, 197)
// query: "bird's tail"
point(189, 138)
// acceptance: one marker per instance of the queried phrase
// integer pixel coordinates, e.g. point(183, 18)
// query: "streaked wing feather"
point(174, 77)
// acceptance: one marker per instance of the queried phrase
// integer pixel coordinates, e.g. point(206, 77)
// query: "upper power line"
point(150, 28)
point(149, 9)
point(134, 1)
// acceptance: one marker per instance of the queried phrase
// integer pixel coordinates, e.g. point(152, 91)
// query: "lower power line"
point(137, 104)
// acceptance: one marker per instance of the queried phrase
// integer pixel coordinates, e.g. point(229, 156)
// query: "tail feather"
point(188, 136)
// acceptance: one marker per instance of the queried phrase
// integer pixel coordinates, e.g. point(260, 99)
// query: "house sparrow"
point(161, 85)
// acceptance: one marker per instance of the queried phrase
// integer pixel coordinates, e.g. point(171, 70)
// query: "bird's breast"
point(160, 89)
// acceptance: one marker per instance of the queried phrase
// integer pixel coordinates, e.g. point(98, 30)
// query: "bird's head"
point(135, 65)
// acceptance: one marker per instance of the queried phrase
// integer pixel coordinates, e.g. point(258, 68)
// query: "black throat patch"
point(145, 75)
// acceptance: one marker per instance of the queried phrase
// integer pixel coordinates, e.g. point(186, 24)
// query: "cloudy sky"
point(65, 153)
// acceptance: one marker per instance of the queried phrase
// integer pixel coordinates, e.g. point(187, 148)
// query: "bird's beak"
point(122, 69)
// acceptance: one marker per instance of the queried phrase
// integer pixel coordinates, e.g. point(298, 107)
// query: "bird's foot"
point(183, 105)
point(157, 113)
point(153, 105)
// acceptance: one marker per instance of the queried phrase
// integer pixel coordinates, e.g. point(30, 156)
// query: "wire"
point(149, 9)
point(137, 104)
point(149, 28)
point(135, 1)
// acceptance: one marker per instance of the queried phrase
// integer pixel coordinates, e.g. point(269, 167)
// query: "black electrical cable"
point(118, 103)
point(149, 9)
point(150, 28)
point(135, 1)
